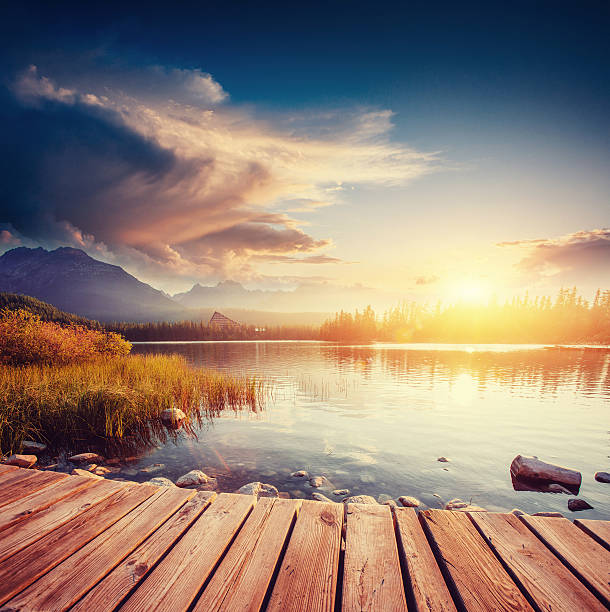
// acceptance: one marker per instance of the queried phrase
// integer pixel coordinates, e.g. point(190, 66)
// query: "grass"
point(113, 404)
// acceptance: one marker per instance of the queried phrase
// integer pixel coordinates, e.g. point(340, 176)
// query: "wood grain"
point(426, 586)
point(307, 579)
point(589, 560)
point(25, 507)
point(68, 582)
point(372, 579)
point(21, 569)
point(22, 483)
point(478, 578)
point(598, 530)
point(549, 583)
point(176, 581)
point(19, 536)
point(6, 469)
point(242, 579)
point(109, 593)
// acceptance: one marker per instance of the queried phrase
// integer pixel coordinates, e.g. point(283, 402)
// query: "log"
point(532, 468)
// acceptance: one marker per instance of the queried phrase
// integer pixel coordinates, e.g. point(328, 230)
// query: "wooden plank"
point(25, 507)
point(13, 478)
point(242, 579)
point(20, 570)
point(68, 582)
point(426, 586)
point(7, 469)
point(477, 578)
point(583, 555)
point(598, 530)
point(372, 579)
point(30, 483)
point(176, 581)
point(109, 593)
point(549, 583)
point(18, 537)
point(307, 579)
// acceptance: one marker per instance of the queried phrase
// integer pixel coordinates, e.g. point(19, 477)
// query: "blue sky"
point(395, 146)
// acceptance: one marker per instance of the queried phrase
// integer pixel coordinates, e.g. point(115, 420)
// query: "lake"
point(374, 419)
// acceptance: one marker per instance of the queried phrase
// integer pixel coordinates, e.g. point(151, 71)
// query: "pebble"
point(360, 499)
point(260, 489)
point(578, 504)
point(160, 481)
point(24, 461)
point(319, 481)
point(408, 501)
point(602, 477)
point(341, 492)
point(86, 458)
point(29, 446)
point(443, 460)
point(192, 478)
point(300, 474)
point(321, 498)
point(153, 469)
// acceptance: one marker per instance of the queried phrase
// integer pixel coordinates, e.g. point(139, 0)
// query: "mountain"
point(74, 282)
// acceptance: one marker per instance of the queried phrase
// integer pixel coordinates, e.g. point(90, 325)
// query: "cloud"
point(574, 258)
point(310, 259)
point(154, 175)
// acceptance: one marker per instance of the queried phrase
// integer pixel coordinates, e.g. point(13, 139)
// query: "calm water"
point(374, 419)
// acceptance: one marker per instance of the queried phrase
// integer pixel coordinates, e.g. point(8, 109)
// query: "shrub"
point(26, 339)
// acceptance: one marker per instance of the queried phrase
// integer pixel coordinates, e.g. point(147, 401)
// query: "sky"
point(437, 150)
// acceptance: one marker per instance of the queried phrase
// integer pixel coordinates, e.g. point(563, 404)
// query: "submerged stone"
point(319, 481)
point(458, 505)
point(153, 469)
point(300, 474)
point(575, 505)
point(260, 489)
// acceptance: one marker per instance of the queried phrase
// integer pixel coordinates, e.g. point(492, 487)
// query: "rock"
point(360, 499)
point(192, 479)
point(173, 417)
point(86, 458)
point(518, 512)
point(602, 477)
point(260, 489)
point(29, 446)
point(549, 514)
point(100, 471)
point(532, 468)
point(24, 461)
point(153, 469)
point(367, 478)
point(436, 495)
point(341, 492)
point(458, 505)
point(319, 481)
point(321, 498)
point(443, 460)
point(390, 502)
point(300, 474)
point(160, 481)
point(409, 502)
point(129, 472)
point(79, 472)
point(576, 505)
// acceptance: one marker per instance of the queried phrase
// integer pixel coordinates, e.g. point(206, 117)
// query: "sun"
point(472, 291)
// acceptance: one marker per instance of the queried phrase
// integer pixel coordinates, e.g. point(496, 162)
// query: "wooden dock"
point(71, 542)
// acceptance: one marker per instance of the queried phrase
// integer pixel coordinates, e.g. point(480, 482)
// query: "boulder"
point(575, 505)
point(602, 477)
point(173, 417)
point(409, 502)
point(321, 498)
point(260, 489)
point(192, 479)
point(300, 474)
point(79, 472)
point(160, 481)
point(24, 461)
point(86, 458)
point(532, 468)
point(360, 499)
point(29, 446)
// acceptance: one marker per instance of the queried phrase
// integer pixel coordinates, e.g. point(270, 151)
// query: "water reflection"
point(374, 419)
